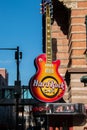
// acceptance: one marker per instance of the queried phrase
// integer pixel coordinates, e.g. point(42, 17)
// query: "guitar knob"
point(40, 60)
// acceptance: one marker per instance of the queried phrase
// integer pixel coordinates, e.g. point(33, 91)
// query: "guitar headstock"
point(47, 5)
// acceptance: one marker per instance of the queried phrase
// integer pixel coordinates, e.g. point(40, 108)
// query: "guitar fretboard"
point(48, 36)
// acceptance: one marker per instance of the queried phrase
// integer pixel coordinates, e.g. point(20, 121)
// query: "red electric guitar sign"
point(47, 85)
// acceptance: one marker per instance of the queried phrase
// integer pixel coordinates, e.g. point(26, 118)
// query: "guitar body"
point(47, 85)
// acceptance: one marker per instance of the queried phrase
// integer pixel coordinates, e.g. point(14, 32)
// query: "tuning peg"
point(41, 10)
point(40, 4)
point(51, 6)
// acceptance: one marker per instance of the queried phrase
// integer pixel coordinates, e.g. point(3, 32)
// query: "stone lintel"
point(77, 70)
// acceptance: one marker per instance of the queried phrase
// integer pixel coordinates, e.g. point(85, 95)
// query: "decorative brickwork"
point(77, 46)
point(69, 29)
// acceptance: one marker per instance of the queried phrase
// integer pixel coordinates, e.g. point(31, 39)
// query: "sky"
point(20, 25)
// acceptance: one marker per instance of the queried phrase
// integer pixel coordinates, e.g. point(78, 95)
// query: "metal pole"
point(17, 103)
point(17, 86)
point(18, 65)
point(8, 48)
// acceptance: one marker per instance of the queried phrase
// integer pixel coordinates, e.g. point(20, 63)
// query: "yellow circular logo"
point(49, 88)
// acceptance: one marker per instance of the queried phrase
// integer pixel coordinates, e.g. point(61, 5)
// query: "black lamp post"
point(17, 93)
point(18, 56)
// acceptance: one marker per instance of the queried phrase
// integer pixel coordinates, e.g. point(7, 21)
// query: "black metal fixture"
point(18, 56)
point(17, 90)
point(84, 80)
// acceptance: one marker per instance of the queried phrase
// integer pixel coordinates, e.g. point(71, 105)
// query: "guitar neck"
point(48, 36)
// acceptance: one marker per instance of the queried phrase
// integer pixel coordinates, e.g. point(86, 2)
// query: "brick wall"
point(3, 77)
point(71, 45)
point(77, 36)
point(77, 47)
point(60, 33)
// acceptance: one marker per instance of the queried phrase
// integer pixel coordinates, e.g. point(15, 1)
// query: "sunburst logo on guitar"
point(47, 85)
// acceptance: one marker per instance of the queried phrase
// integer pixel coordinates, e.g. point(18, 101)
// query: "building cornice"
point(70, 3)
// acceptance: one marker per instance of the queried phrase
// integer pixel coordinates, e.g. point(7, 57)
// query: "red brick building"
point(69, 32)
point(3, 77)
